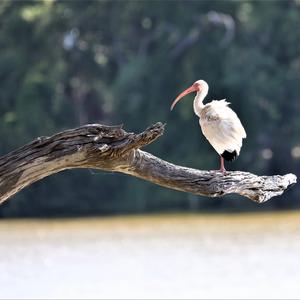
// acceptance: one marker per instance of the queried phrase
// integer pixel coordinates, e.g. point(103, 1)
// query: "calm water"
point(177, 256)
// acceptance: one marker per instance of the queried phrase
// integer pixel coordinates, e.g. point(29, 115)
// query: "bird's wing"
point(222, 127)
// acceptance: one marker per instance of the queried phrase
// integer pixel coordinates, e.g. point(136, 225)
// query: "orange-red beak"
point(189, 90)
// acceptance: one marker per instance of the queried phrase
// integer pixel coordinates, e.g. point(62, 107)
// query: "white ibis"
point(219, 123)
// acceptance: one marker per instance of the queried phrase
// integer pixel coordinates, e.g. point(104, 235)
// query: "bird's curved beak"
point(189, 90)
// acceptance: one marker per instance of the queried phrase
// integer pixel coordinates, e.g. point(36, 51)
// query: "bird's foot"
point(223, 171)
point(222, 167)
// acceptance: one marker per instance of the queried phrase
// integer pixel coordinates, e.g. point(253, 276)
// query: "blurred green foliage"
point(67, 63)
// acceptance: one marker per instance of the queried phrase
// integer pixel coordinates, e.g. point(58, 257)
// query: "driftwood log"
point(110, 148)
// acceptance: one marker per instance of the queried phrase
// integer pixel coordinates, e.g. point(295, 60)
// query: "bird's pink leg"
point(222, 168)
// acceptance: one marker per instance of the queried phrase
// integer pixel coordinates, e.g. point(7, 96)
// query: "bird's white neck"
point(198, 101)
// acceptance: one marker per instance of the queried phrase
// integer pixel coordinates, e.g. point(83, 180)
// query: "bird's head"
point(200, 86)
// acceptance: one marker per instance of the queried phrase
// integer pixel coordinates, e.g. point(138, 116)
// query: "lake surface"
point(162, 256)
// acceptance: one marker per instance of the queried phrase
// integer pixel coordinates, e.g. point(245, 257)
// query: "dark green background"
point(67, 63)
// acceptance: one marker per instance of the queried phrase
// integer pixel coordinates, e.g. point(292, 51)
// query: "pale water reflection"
point(177, 256)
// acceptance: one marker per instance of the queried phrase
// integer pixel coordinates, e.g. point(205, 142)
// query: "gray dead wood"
point(110, 148)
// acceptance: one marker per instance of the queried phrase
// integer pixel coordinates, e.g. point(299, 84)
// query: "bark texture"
point(110, 148)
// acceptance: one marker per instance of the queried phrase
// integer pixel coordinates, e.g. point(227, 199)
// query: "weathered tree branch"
point(110, 148)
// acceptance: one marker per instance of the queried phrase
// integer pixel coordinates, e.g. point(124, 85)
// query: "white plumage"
point(222, 127)
point(219, 123)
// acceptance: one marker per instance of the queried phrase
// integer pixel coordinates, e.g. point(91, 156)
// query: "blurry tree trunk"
point(110, 148)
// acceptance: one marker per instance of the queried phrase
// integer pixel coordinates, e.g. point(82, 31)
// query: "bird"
point(219, 123)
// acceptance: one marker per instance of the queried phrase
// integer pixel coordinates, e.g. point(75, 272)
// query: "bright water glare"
point(167, 256)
